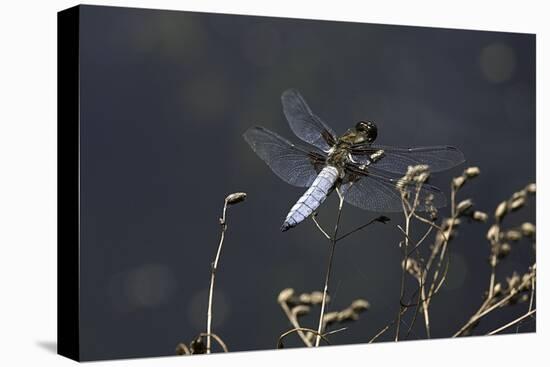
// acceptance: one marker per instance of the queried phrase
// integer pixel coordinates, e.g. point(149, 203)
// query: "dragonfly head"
point(367, 131)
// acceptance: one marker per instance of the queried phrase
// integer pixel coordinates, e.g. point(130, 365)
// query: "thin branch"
point(512, 323)
point(314, 218)
point(484, 310)
point(329, 268)
point(286, 333)
point(294, 321)
point(381, 219)
point(229, 200)
point(218, 339)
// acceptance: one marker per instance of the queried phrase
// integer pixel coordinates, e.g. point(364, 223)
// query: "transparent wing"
point(304, 123)
point(378, 193)
point(295, 165)
point(396, 160)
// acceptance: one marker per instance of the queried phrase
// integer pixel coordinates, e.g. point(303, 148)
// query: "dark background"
point(165, 98)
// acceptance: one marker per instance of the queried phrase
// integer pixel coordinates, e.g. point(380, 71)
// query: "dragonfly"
point(366, 174)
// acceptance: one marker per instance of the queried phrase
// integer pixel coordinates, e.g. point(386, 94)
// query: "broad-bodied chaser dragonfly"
point(366, 174)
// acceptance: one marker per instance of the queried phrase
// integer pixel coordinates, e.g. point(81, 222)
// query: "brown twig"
point(294, 321)
point(286, 333)
point(229, 200)
point(329, 267)
point(512, 323)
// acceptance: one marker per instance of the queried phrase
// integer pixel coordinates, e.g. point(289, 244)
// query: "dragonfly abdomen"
point(312, 198)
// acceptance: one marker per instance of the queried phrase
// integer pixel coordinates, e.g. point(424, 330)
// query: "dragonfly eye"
point(369, 129)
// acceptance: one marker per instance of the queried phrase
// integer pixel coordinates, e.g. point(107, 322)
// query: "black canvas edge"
point(68, 183)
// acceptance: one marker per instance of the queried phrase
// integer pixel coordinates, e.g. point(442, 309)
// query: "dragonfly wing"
point(304, 123)
point(295, 165)
point(379, 193)
point(396, 160)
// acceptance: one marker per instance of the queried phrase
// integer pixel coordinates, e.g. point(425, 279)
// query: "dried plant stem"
point(300, 329)
point(314, 218)
point(486, 307)
point(408, 211)
point(381, 219)
point(329, 267)
point(217, 338)
point(213, 270)
point(294, 321)
point(512, 323)
point(385, 328)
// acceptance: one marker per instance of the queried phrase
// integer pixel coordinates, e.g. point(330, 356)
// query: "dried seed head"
point(526, 280)
point(419, 173)
point(360, 305)
point(301, 310)
point(517, 203)
point(458, 182)
point(285, 295)
point(450, 221)
point(528, 229)
point(464, 206)
point(305, 298)
point(504, 250)
point(471, 172)
point(412, 267)
point(518, 194)
point(524, 298)
point(317, 297)
point(500, 211)
point(480, 216)
point(416, 170)
point(422, 177)
point(235, 198)
point(497, 289)
point(492, 233)
point(513, 235)
point(531, 188)
point(347, 315)
point(513, 281)
point(330, 317)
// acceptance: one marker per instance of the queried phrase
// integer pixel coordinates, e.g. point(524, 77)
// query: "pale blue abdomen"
point(312, 198)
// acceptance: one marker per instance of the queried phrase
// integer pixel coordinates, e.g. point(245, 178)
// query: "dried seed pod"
point(412, 267)
point(492, 233)
point(458, 182)
point(513, 235)
point(531, 188)
point(464, 206)
point(526, 280)
point(471, 172)
point(524, 298)
point(422, 177)
point(497, 289)
point(504, 250)
point(517, 204)
point(300, 310)
point(513, 281)
point(305, 298)
point(480, 216)
point(528, 229)
point(235, 198)
point(285, 295)
point(317, 297)
point(500, 211)
point(347, 315)
point(330, 317)
point(360, 305)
